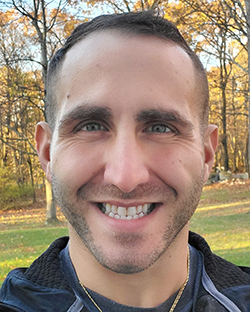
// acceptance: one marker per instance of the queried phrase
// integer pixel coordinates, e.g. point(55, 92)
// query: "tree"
point(19, 91)
point(238, 29)
point(43, 25)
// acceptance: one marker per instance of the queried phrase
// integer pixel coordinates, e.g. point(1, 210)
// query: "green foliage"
point(12, 195)
point(6, 176)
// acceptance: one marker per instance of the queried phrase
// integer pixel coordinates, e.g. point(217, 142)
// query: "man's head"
point(128, 156)
point(137, 24)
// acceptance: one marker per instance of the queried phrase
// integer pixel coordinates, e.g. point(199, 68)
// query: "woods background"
point(31, 31)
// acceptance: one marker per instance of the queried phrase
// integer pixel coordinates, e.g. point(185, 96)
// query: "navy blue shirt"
point(184, 305)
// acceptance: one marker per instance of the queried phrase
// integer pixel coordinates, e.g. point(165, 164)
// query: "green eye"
point(159, 129)
point(92, 127)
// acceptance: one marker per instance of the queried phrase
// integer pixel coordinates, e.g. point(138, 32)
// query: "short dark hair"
point(138, 23)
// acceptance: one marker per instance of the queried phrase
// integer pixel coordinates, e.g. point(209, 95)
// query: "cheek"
point(75, 164)
point(177, 165)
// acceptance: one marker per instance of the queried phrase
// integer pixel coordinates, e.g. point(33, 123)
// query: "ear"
point(43, 136)
point(210, 146)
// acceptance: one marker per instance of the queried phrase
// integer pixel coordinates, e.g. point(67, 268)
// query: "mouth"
point(126, 213)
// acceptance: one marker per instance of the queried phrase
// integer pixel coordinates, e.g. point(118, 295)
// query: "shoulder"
point(225, 286)
point(45, 270)
point(42, 282)
point(224, 274)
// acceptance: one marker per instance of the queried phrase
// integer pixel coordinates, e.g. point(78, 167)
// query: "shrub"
point(12, 194)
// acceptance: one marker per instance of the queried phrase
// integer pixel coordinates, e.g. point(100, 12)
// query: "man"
point(127, 149)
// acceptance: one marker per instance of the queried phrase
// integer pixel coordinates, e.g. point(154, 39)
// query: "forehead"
point(128, 67)
point(109, 46)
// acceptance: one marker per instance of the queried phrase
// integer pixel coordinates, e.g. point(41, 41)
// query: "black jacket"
point(43, 286)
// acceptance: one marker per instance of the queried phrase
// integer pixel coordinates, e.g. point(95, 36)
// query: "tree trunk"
point(224, 128)
point(223, 85)
point(247, 2)
point(234, 135)
point(51, 204)
point(32, 178)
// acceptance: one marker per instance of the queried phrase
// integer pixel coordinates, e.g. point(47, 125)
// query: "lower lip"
point(126, 226)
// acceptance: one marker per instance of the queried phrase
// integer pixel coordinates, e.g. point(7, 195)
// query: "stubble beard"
point(74, 213)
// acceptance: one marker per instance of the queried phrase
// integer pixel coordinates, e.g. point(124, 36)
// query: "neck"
point(148, 288)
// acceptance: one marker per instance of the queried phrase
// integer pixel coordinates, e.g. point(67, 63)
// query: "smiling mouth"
point(129, 213)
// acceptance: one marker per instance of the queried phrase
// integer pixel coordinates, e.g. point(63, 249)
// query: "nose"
point(126, 166)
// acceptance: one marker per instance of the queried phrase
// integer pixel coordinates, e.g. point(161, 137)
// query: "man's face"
point(127, 155)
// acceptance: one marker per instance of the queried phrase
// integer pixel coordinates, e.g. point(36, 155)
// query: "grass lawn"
point(222, 218)
point(24, 236)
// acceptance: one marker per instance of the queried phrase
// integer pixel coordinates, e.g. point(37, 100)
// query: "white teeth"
point(108, 208)
point(145, 208)
point(124, 213)
point(139, 209)
point(114, 209)
point(131, 211)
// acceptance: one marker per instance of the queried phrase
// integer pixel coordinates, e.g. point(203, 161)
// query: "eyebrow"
point(85, 112)
point(162, 115)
